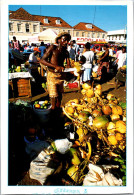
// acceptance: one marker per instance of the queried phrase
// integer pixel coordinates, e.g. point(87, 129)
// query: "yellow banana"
point(89, 150)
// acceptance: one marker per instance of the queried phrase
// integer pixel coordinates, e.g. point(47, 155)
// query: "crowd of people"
point(53, 57)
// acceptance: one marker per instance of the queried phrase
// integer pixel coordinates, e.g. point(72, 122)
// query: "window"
point(46, 20)
point(119, 37)
point(103, 36)
point(57, 21)
point(98, 35)
point(88, 34)
point(34, 28)
point(89, 25)
point(93, 35)
point(10, 26)
point(83, 34)
point(19, 27)
point(27, 27)
point(69, 31)
point(77, 34)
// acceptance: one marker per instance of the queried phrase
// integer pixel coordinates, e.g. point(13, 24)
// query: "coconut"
point(120, 126)
point(117, 110)
point(72, 172)
point(98, 87)
point(106, 110)
point(98, 91)
point(115, 117)
point(111, 128)
point(94, 74)
point(119, 136)
point(86, 86)
point(100, 122)
point(70, 110)
point(83, 91)
point(110, 96)
point(112, 140)
point(90, 93)
point(83, 116)
point(96, 113)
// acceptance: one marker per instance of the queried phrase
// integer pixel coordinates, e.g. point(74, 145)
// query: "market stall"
point(20, 82)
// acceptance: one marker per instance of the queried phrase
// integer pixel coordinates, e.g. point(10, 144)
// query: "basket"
point(42, 114)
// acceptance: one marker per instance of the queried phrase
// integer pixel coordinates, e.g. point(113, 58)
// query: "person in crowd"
point(76, 48)
point(42, 49)
point(33, 59)
point(110, 51)
point(16, 45)
point(11, 57)
point(119, 50)
point(81, 48)
point(103, 62)
point(71, 51)
point(89, 56)
point(121, 73)
point(54, 59)
point(122, 57)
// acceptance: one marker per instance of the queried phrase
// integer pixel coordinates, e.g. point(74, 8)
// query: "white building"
point(117, 36)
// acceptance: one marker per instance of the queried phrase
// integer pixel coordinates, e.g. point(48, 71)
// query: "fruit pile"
point(42, 104)
point(16, 69)
point(96, 113)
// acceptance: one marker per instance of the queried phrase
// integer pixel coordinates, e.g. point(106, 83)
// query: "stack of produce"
point(99, 122)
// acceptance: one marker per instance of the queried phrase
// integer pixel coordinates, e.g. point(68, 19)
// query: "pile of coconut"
point(97, 113)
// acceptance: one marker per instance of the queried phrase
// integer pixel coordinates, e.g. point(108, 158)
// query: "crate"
point(24, 87)
point(73, 85)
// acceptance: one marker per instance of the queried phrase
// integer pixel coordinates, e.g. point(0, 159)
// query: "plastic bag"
point(62, 145)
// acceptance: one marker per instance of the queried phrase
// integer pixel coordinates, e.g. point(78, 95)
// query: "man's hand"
point(59, 69)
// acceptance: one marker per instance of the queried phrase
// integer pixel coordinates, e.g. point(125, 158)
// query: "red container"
point(73, 85)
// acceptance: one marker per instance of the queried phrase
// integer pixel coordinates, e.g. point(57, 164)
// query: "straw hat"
point(61, 35)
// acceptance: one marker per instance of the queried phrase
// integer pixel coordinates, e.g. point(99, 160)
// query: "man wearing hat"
point(54, 60)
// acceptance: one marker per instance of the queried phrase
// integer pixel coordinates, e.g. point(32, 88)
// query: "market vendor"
point(103, 61)
point(54, 59)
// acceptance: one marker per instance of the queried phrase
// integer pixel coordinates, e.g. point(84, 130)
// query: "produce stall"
point(20, 82)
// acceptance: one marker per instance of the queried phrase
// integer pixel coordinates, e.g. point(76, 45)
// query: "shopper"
point(42, 49)
point(103, 62)
point(89, 56)
point(71, 51)
point(16, 45)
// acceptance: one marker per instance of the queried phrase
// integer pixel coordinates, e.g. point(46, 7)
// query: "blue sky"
point(112, 17)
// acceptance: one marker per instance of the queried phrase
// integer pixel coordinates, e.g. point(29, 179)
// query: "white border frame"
point(4, 105)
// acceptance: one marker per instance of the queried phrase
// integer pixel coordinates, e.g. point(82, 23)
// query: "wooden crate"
point(24, 87)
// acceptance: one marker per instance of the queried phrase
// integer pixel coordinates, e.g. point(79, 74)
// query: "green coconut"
point(100, 122)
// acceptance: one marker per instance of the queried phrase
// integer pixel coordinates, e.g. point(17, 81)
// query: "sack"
point(42, 166)
point(96, 177)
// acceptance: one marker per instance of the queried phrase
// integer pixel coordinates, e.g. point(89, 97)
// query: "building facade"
point(24, 25)
point(117, 36)
point(83, 32)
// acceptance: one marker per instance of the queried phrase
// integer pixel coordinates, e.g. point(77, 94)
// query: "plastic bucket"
point(42, 114)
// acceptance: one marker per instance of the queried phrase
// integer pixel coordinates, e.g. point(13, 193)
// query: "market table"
point(20, 83)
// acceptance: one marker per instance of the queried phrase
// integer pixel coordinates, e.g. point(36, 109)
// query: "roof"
point(82, 26)
point(22, 14)
point(117, 32)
